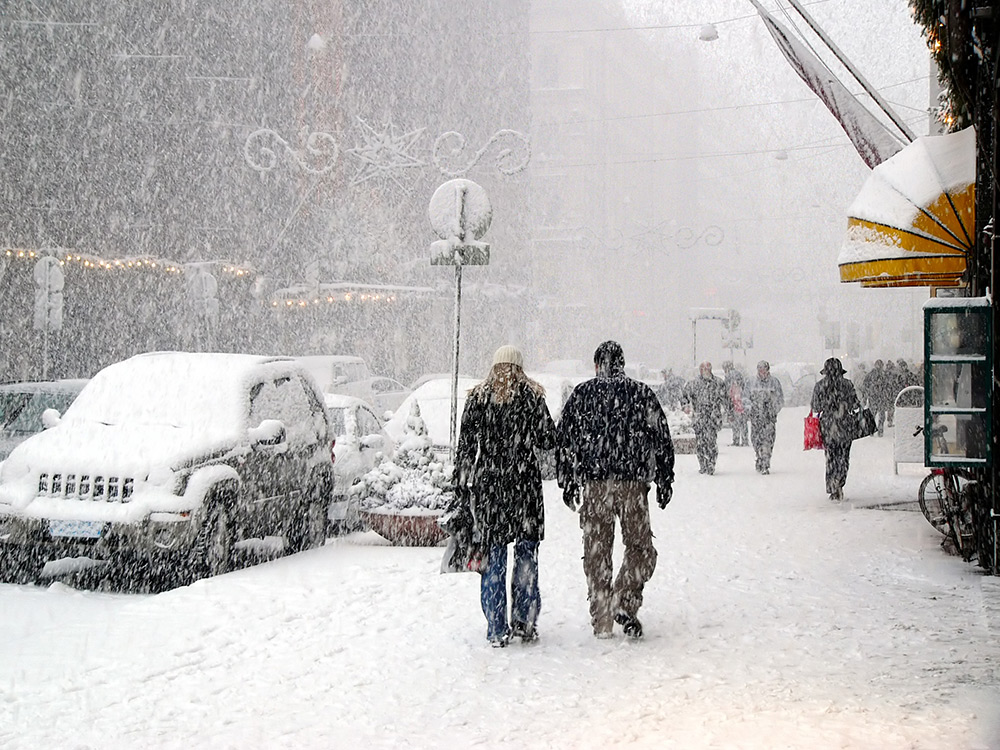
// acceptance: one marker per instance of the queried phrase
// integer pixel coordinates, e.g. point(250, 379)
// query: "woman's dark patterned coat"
point(498, 457)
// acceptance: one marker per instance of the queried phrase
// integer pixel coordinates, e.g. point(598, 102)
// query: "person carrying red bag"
point(835, 402)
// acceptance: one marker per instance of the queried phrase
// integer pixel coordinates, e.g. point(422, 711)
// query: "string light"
point(329, 298)
point(148, 263)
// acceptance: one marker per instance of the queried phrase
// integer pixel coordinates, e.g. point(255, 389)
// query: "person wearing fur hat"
point(497, 466)
point(835, 402)
point(613, 440)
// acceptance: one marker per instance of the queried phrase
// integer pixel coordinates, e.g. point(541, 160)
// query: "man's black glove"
point(570, 496)
point(663, 494)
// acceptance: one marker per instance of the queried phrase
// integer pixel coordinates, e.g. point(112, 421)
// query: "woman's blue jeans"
point(525, 598)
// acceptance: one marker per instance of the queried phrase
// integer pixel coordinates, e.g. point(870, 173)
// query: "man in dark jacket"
point(612, 440)
point(764, 397)
point(706, 397)
point(835, 402)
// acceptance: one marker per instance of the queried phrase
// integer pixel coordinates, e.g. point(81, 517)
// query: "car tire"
point(212, 551)
point(309, 529)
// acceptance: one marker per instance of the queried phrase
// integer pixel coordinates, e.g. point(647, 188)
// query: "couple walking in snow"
point(611, 442)
point(706, 398)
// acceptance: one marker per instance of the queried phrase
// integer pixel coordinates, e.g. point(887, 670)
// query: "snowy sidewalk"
point(775, 619)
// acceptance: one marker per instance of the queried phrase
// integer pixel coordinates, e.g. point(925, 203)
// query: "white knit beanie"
point(508, 354)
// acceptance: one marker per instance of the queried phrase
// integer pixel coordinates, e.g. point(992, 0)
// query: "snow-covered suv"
point(173, 457)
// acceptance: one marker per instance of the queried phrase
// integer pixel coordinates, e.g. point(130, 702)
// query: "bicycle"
point(948, 499)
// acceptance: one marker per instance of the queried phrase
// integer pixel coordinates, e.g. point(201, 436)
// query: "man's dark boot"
point(630, 624)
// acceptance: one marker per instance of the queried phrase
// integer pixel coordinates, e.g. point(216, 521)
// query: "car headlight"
point(164, 477)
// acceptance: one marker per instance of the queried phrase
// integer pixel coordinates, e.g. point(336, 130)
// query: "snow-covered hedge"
point(414, 479)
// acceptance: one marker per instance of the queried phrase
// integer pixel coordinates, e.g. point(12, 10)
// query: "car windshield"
point(22, 412)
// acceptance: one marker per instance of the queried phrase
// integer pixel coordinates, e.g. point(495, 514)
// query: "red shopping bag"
point(812, 439)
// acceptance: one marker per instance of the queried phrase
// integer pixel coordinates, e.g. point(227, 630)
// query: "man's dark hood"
point(609, 359)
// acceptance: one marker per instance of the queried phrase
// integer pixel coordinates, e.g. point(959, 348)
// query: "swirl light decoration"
point(510, 160)
point(260, 151)
point(686, 237)
point(659, 238)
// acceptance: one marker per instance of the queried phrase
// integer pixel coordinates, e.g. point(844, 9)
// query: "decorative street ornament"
point(321, 148)
point(460, 213)
point(510, 160)
point(686, 237)
point(661, 237)
point(385, 152)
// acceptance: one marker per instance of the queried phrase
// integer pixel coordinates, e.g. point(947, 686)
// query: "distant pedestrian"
point(876, 391)
point(765, 399)
point(735, 383)
point(907, 377)
point(504, 426)
point(835, 402)
point(705, 397)
point(670, 391)
point(613, 440)
point(893, 385)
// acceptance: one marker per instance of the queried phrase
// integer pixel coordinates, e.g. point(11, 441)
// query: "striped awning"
point(913, 223)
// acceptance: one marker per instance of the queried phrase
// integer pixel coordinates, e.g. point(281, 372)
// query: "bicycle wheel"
point(965, 534)
point(931, 496)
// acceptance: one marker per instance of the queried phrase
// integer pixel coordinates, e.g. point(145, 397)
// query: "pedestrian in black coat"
point(505, 425)
point(613, 440)
point(876, 388)
point(764, 398)
point(706, 397)
point(835, 402)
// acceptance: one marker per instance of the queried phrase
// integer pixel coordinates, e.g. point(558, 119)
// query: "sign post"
point(460, 213)
point(49, 281)
point(202, 289)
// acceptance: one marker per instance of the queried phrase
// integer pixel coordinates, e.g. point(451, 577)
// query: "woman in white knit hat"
point(504, 426)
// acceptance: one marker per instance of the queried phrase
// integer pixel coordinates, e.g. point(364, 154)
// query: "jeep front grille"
point(86, 487)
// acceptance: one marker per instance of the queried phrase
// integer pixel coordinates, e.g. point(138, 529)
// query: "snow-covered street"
point(775, 619)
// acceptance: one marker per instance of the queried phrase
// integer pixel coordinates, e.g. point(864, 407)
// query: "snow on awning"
point(913, 223)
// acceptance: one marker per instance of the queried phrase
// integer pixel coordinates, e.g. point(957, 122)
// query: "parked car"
point(361, 443)
point(333, 371)
point(434, 400)
point(385, 394)
point(23, 408)
point(172, 458)
point(349, 376)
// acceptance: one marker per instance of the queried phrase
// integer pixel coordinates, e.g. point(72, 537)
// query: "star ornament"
point(385, 153)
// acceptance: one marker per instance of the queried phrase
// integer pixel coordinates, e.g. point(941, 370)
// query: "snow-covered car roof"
point(325, 367)
point(338, 401)
point(434, 398)
point(179, 389)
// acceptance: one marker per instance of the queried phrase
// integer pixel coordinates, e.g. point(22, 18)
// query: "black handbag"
point(463, 553)
point(866, 423)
